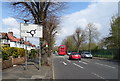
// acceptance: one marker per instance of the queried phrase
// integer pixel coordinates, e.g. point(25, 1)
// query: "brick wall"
point(16, 61)
point(7, 64)
point(12, 61)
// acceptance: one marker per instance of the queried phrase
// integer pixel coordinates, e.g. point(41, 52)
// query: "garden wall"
point(11, 62)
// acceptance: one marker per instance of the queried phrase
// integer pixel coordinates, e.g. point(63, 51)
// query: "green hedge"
point(33, 53)
point(12, 51)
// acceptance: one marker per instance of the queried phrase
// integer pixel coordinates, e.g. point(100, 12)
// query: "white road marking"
point(105, 65)
point(64, 63)
point(78, 65)
point(68, 60)
point(83, 62)
point(97, 75)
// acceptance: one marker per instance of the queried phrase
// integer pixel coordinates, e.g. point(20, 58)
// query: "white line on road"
point(64, 63)
point(83, 62)
point(78, 65)
point(97, 75)
point(68, 60)
point(105, 65)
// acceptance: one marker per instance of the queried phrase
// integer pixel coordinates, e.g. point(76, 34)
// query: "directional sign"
point(31, 30)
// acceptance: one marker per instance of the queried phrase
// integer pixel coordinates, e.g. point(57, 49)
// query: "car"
point(68, 53)
point(74, 55)
point(86, 55)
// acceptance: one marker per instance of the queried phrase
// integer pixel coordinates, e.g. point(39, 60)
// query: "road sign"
point(31, 30)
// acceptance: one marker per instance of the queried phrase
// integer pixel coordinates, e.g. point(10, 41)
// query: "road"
point(84, 68)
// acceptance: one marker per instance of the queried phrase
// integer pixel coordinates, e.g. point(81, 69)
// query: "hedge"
point(12, 51)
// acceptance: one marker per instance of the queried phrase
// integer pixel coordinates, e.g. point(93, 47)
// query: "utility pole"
point(39, 53)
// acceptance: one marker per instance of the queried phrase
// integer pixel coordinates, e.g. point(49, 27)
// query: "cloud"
point(98, 13)
point(11, 24)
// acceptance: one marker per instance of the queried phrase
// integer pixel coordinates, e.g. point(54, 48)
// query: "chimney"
point(21, 39)
point(10, 33)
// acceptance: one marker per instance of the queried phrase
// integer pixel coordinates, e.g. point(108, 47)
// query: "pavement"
point(99, 70)
point(19, 72)
point(0, 69)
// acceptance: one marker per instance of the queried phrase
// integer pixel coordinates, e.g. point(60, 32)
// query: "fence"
point(106, 53)
point(103, 53)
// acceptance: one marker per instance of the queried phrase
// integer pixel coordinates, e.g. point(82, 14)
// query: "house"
point(10, 40)
point(4, 40)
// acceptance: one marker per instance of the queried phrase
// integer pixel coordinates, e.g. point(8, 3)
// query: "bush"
point(12, 51)
point(5, 55)
point(21, 52)
point(33, 53)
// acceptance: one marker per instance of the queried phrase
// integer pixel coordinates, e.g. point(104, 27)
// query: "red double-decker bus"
point(62, 50)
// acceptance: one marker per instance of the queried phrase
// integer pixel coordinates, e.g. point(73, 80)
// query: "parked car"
point(68, 53)
point(74, 55)
point(86, 55)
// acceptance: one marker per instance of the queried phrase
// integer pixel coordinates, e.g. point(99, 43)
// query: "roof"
point(14, 39)
point(33, 46)
point(26, 43)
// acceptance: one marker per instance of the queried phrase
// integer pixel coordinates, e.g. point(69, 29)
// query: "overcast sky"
point(79, 14)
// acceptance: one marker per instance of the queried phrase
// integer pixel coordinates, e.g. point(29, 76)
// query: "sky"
point(79, 14)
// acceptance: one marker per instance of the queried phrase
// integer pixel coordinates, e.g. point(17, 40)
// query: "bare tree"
point(51, 25)
point(79, 37)
point(40, 13)
point(92, 33)
point(70, 43)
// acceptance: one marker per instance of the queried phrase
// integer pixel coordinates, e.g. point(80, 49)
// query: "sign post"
point(39, 53)
point(32, 30)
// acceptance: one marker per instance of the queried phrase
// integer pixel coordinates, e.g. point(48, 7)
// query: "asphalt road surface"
point(84, 68)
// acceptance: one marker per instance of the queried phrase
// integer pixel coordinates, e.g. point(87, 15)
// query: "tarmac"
point(31, 72)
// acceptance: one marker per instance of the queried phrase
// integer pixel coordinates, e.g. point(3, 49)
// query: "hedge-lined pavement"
point(32, 72)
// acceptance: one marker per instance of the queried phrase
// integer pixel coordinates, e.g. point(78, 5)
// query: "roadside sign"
point(31, 30)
